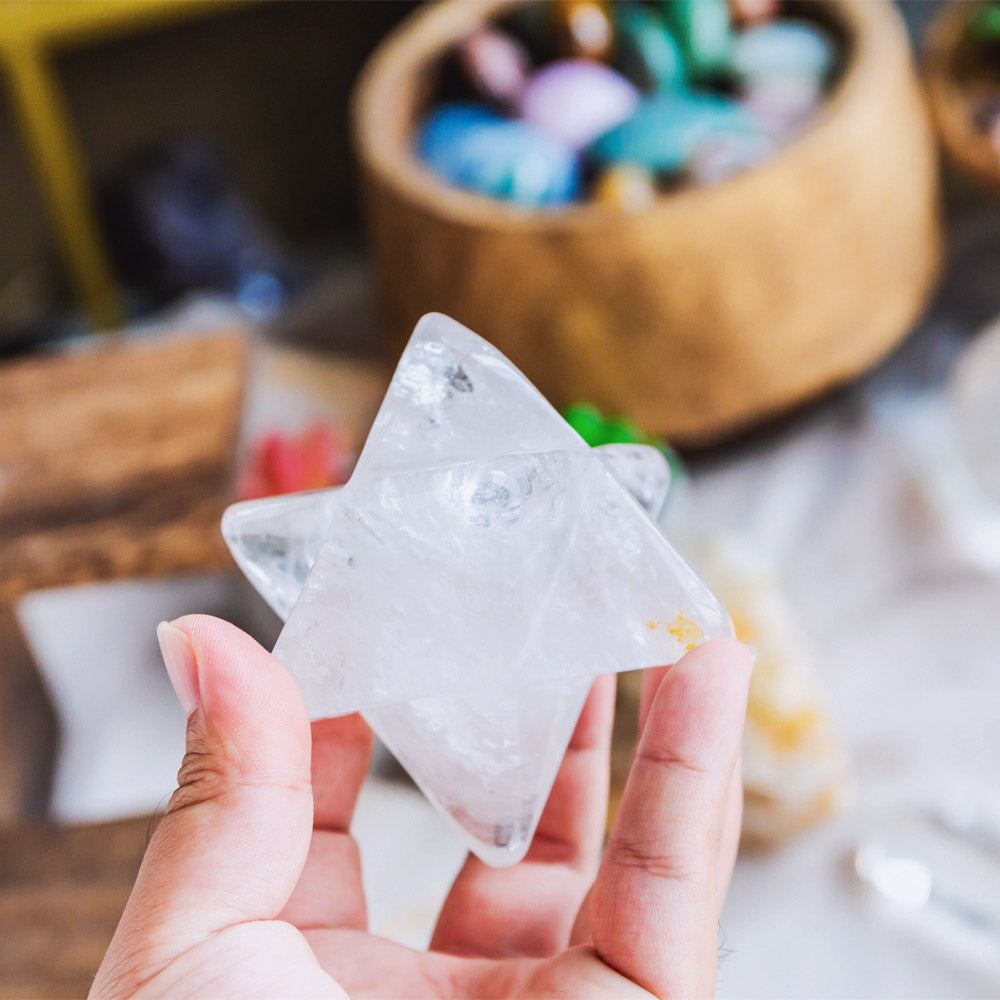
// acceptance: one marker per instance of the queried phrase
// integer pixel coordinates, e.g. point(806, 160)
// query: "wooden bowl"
point(954, 91)
point(712, 310)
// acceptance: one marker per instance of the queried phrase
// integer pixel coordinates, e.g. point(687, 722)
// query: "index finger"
point(329, 891)
point(655, 906)
point(341, 754)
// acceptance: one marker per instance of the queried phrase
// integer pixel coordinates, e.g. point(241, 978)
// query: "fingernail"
point(182, 668)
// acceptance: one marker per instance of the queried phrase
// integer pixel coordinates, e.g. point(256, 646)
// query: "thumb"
point(236, 832)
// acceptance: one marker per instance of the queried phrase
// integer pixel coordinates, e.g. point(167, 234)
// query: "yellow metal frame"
point(29, 31)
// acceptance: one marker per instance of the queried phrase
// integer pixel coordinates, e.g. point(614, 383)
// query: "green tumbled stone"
point(621, 430)
point(587, 421)
point(649, 53)
point(596, 429)
point(704, 31)
point(984, 22)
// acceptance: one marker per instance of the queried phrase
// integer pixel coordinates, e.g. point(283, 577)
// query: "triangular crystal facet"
point(455, 398)
point(486, 759)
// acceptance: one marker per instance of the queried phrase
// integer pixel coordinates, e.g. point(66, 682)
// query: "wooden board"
point(117, 462)
point(27, 729)
point(62, 892)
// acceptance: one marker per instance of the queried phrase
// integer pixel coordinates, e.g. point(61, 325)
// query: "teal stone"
point(649, 53)
point(783, 49)
point(474, 148)
point(704, 31)
point(667, 128)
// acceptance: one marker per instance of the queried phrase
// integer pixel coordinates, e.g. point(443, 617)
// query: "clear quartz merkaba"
point(463, 589)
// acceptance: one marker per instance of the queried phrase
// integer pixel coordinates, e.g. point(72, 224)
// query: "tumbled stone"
point(582, 28)
point(576, 100)
point(475, 149)
point(666, 128)
point(496, 64)
point(783, 104)
point(722, 156)
point(983, 22)
point(647, 50)
point(703, 29)
point(782, 49)
point(626, 186)
point(748, 12)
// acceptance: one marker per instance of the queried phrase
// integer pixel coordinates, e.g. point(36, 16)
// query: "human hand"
point(251, 884)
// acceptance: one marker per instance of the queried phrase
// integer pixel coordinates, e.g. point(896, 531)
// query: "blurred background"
point(762, 235)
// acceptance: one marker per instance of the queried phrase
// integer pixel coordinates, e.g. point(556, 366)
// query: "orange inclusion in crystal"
point(682, 629)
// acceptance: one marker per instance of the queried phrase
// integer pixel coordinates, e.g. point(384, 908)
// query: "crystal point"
point(482, 565)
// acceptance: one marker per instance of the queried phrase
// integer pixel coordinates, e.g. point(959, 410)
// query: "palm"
point(257, 907)
point(501, 932)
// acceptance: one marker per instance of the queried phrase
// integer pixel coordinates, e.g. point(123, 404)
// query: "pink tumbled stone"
point(747, 12)
point(723, 156)
point(783, 104)
point(497, 64)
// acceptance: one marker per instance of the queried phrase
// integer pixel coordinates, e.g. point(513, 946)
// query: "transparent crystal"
point(462, 590)
point(276, 540)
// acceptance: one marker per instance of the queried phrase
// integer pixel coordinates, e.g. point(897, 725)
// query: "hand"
point(251, 884)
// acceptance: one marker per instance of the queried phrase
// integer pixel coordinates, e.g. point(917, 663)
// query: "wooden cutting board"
point(62, 891)
point(117, 461)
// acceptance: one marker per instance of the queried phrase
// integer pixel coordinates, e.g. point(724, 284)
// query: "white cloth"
point(907, 635)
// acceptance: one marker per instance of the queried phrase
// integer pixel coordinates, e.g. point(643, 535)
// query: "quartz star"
point(480, 567)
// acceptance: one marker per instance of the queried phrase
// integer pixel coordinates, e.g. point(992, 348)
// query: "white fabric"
point(907, 634)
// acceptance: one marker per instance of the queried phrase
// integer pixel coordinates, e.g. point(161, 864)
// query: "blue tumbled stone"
point(438, 135)
point(475, 149)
